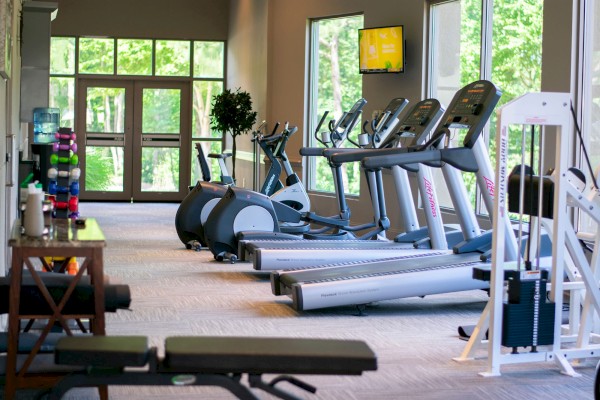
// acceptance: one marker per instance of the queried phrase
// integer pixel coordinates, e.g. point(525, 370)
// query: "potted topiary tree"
point(232, 112)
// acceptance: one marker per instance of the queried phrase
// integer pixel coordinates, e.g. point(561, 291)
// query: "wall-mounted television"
point(381, 50)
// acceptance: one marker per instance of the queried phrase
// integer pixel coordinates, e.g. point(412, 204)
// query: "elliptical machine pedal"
point(226, 256)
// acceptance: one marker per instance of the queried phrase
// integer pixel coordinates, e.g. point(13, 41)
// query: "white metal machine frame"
point(576, 339)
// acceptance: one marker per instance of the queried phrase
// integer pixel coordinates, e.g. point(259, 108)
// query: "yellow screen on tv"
point(381, 49)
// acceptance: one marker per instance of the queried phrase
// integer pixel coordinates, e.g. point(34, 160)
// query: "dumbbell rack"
point(63, 186)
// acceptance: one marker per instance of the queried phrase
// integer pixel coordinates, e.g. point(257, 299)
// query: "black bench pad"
point(217, 354)
point(102, 351)
point(268, 355)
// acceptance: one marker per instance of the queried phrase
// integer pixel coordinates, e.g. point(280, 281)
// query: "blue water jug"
point(45, 124)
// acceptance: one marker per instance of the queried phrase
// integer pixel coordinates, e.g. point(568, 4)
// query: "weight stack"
point(528, 318)
point(65, 184)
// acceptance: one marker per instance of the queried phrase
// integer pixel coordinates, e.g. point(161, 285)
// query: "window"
point(335, 86)
point(134, 57)
point(200, 62)
point(172, 58)
point(498, 40)
point(96, 56)
point(62, 81)
point(589, 82)
point(208, 64)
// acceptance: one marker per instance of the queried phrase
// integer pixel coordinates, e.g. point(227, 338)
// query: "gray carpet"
point(181, 292)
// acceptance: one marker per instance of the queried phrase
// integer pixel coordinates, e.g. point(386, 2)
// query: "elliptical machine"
point(197, 205)
point(244, 211)
point(187, 218)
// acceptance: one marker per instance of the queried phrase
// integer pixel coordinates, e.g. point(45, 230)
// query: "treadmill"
point(397, 277)
point(417, 124)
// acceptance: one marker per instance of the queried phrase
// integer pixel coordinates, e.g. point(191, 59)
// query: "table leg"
point(13, 323)
point(97, 277)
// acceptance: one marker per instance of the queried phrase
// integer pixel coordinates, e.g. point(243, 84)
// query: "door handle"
point(10, 142)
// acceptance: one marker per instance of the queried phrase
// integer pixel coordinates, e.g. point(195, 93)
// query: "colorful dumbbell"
point(60, 146)
point(55, 159)
point(66, 136)
point(73, 188)
point(72, 204)
point(75, 173)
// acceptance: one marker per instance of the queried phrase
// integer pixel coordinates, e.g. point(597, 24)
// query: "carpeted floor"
point(182, 292)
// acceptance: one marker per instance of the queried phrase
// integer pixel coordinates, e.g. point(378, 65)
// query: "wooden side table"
point(66, 239)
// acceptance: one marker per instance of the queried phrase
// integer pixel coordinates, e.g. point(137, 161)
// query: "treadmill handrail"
point(459, 157)
point(341, 157)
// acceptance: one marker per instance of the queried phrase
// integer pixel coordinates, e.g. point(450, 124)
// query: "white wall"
point(9, 115)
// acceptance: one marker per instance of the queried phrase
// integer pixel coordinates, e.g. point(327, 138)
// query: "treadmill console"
point(418, 122)
point(471, 108)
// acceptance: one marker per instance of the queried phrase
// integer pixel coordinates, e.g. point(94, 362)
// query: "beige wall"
point(267, 52)
point(287, 91)
point(172, 19)
point(287, 75)
point(247, 70)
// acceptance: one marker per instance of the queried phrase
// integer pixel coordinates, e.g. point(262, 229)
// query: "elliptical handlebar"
point(316, 133)
point(333, 137)
point(260, 127)
point(275, 128)
point(351, 127)
point(258, 132)
point(325, 114)
point(288, 131)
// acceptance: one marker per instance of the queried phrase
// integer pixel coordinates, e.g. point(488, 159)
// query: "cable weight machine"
point(531, 335)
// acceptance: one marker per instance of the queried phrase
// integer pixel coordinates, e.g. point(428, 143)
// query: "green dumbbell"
point(54, 159)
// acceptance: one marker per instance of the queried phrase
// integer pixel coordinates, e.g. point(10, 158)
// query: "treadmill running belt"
point(380, 280)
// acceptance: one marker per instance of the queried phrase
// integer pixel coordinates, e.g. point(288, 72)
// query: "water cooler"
point(45, 126)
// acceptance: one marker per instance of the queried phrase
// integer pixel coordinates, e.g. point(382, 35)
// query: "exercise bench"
point(208, 361)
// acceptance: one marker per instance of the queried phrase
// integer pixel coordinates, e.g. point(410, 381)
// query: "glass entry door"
point(130, 135)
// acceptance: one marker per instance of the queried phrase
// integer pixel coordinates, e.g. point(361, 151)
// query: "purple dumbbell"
point(67, 136)
point(59, 146)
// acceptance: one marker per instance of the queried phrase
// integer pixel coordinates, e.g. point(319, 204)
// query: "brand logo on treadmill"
point(490, 185)
point(430, 197)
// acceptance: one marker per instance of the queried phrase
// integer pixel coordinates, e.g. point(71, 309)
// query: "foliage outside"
point(232, 113)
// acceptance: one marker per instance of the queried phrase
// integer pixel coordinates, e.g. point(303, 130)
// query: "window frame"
point(588, 11)
point(153, 76)
point(485, 72)
point(313, 118)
